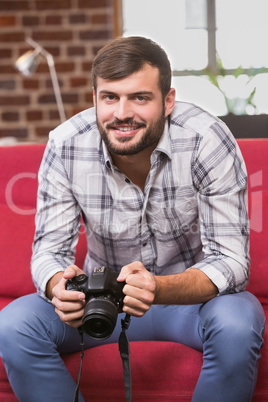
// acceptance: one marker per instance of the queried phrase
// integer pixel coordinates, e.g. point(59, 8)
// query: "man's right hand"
point(69, 304)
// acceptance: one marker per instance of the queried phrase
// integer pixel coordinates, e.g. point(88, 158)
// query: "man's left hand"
point(140, 288)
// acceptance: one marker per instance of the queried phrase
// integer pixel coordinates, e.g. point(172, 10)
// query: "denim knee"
point(233, 327)
point(10, 322)
point(14, 321)
point(24, 327)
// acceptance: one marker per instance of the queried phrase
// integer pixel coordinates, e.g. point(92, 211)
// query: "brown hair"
point(125, 56)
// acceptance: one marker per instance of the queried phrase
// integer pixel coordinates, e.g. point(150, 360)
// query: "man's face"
point(131, 112)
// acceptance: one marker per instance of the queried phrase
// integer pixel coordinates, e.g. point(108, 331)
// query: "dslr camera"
point(104, 300)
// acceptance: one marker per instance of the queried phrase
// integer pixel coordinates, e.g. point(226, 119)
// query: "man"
point(161, 186)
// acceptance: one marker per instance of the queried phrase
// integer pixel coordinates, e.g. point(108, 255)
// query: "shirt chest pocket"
point(172, 218)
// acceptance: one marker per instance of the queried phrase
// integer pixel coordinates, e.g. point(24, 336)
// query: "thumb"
point(72, 271)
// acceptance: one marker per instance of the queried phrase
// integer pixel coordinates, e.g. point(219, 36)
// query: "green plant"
point(236, 105)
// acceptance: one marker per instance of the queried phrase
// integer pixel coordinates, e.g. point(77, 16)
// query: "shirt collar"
point(164, 144)
point(107, 156)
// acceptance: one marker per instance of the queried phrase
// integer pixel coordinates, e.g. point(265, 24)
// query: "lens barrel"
point(99, 318)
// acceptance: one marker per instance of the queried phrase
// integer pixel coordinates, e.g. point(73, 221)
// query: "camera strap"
point(76, 395)
point(124, 350)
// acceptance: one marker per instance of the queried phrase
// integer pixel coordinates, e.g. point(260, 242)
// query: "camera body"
point(104, 300)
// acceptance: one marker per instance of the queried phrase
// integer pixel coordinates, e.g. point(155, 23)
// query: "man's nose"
point(123, 110)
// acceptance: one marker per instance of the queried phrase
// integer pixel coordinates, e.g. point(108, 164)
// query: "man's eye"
point(109, 97)
point(141, 98)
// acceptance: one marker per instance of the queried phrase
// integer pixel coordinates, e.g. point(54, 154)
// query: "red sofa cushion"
point(153, 365)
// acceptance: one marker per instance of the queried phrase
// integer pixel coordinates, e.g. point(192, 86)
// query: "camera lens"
point(99, 318)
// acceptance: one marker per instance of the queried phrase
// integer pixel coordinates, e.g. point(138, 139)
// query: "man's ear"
point(94, 97)
point(170, 101)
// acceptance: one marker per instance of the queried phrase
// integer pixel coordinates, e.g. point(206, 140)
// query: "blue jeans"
point(227, 329)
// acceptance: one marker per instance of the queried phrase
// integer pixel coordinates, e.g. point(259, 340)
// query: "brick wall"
point(72, 31)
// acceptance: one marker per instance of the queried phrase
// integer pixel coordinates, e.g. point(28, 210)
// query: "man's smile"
point(125, 129)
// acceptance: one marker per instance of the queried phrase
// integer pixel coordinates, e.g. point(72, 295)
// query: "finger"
point(134, 307)
point(143, 295)
point(142, 281)
point(69, 317)
point(68, 306)
point(129, 269)
point(64, 295)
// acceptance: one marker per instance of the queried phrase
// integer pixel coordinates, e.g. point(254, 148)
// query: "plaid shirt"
point(192, 213)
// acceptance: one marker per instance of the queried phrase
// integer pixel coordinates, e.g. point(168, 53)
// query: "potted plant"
point(242, 117)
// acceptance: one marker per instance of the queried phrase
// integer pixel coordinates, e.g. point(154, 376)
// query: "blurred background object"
point(27, 64)
point(72, 31)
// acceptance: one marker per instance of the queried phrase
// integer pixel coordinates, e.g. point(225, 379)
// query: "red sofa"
point(161, 371)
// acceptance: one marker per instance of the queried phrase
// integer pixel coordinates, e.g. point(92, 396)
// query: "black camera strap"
point(124, 350)
point(76, 395)
point(125, 356)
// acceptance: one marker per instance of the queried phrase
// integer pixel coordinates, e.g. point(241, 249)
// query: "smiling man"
point(162, 189)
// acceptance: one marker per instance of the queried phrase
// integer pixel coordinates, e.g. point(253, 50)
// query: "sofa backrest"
point(18, 188)
point(19, 167)
point(255, 152)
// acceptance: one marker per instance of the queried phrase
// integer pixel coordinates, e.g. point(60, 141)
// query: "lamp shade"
point(28, 62)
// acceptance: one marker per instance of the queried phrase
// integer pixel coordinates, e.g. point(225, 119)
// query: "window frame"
point(212, 65)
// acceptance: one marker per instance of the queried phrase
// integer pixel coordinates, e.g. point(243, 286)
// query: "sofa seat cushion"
point(6, 393)
point(161, 371)
point(4, 301)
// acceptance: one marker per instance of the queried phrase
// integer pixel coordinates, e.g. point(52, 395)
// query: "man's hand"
point(69, 304)
point(142, 289)
point(139, 290)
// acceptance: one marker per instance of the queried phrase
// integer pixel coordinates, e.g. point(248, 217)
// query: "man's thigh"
point(191, 324)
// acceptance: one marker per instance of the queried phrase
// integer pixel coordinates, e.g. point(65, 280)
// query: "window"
point(224, 37)
point(149, 18)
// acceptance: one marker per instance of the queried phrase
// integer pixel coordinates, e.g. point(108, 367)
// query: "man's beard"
point(150, 137)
